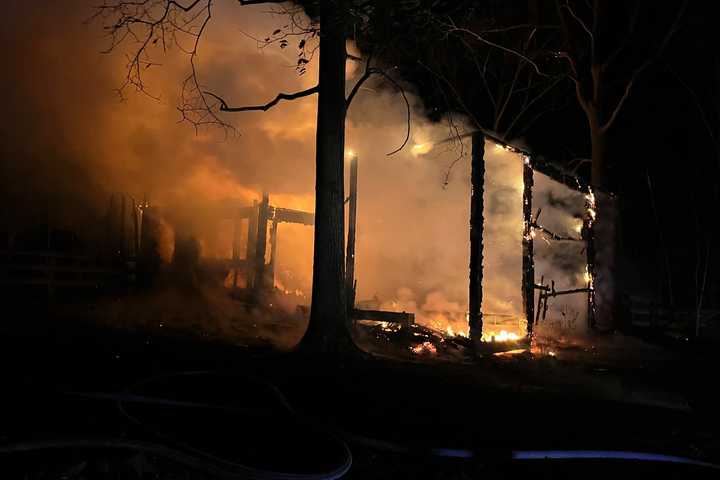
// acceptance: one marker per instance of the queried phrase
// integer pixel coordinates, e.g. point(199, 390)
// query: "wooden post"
point(476, 235)
point(136, 229)
point(123, 243)
point(260, 247)
point(235, 249)
point(252, 235)
point(273, 253)
point(528, 268)
point(350, 254)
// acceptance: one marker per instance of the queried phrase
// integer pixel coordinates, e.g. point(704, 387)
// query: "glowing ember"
point(425, 347)
point(509, 353)
point(588, 277)
point(502, 336)
point(578, 226)
point(389, 327)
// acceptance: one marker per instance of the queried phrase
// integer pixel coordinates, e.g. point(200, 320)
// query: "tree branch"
point(671, 31)
point(224, 107)
point(407, 108)
point(587, 30)
point(368, 72)
point(531, 103)
point(498, 46)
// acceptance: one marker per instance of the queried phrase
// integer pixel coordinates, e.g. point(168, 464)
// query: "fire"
point(451, 332)
point(421, 148)
point(588, 277)
point(578, 226)
point(424, 347)
point(501, 336)
point(590, 206)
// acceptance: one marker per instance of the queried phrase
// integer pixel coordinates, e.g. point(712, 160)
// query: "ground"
point(394, 409)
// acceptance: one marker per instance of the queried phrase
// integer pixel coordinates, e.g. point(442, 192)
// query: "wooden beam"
point(382, 316)
point(288, 215)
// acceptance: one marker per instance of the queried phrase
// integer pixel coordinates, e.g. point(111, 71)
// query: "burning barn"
point(535, 257)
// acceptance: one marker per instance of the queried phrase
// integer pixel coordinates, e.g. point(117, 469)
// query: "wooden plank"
point(288, 215)
point(383, 316)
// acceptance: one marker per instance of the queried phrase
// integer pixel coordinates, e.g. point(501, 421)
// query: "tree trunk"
point(603, 246)
point(328, 330)
point(598, 143)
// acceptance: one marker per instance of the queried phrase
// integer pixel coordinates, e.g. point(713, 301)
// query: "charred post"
point(528, 263)
point(273, 253)
point(476, 235)
point(352, 221)
point(251, 243)
point(588, 233)
point(259, 281)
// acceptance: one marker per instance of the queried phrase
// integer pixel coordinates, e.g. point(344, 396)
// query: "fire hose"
point(198, 459)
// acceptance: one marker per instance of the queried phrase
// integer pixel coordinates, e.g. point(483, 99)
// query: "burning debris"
point(501, 336)
point(422, 348)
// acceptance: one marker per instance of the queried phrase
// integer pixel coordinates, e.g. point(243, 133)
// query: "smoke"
point(561, 262)
point(68, 142)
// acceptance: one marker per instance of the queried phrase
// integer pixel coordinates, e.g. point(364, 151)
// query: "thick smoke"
point(69, 142)
point(562, 262)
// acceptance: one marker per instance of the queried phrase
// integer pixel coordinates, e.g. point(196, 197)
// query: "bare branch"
point(631, 30)
point(584, 27)
point(407, 107)
point(531, 103)
point(368, 72)
point(457, 95)
point(224, 107)
point(498, 46)
point(671, 31)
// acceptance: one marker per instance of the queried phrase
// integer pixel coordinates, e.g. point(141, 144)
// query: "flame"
point(588, 277)
point(421, 148)
point(424, 347)
point(578, 226)
point(501, 336)
point(452, 333)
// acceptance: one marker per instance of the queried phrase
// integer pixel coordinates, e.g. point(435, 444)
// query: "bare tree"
point(593, 49)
